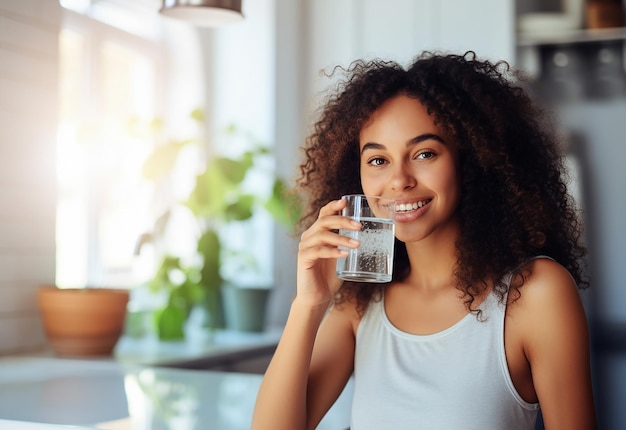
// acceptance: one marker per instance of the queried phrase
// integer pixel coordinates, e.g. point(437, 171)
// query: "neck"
point(433, 259)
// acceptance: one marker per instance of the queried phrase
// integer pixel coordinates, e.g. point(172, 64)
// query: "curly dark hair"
point(514, 203)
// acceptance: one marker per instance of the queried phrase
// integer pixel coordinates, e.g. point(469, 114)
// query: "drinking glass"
point(372, 261)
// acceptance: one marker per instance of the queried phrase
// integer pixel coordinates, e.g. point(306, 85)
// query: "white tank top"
point(454, 379)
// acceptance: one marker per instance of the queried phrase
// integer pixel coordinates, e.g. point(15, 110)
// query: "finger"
point(332, 208)
point(320, 252)
point(327, 238)
point(333, 222)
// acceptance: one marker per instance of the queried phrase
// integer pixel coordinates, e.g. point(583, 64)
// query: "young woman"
point(482, 324)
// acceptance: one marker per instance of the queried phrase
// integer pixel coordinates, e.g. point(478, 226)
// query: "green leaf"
point(194, 293)
point(161, 280)
point(263, 150)
point(233, 171)
point(284, 204)
point(210, 248)
point(184, 297)
point(170, 322)
point(241, 210)
point(208, 197)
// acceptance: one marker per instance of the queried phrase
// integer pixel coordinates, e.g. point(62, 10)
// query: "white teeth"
point(406, 207)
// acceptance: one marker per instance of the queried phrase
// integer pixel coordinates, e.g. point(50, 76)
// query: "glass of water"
point(372, 261)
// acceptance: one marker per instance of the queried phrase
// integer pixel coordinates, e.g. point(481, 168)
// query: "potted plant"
point(218, 200)
point(81, 322)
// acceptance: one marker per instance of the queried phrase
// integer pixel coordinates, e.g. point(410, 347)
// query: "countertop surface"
point(198, 349)
point(52, 393)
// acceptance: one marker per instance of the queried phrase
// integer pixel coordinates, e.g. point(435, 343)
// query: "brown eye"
point(425, 155)
point(377, 161)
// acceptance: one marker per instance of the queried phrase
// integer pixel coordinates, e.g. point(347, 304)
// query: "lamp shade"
point(203, 13)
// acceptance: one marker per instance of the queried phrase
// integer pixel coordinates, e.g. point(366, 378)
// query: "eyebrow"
point(411, 142)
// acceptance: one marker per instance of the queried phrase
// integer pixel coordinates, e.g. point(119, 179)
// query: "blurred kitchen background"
point(81, 79)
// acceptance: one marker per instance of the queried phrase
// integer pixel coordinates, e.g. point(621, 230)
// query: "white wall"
point(28, 117)
point(243, 68)
point(339, 32)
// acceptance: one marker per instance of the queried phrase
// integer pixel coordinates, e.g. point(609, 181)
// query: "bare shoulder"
point(551, 323)
point(549, 287)
point(549, 311)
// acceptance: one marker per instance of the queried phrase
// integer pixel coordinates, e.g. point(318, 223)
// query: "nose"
point(402, 178)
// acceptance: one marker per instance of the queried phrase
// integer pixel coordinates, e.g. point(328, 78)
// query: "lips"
point(411, 206)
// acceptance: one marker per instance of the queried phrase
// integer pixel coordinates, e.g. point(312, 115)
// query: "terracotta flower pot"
point(83, 322)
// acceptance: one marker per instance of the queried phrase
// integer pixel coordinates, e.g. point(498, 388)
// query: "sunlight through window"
point(107, 89)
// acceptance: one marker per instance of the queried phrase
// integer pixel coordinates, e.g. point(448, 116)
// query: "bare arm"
point(556, 342)
point(314, 357)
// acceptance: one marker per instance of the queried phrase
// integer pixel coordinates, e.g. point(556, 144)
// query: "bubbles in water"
point(372, 261)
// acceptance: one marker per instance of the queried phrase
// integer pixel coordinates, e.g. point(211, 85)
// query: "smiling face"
point(404, 156)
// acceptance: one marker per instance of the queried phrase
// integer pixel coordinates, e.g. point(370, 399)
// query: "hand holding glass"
point(372, 261)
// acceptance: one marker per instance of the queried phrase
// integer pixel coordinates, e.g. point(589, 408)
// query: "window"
point(109, 86)
point(117, 75)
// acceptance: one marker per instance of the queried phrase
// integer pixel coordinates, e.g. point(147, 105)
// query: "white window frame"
point(96, 34)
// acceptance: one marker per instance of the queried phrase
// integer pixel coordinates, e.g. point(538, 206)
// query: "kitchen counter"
point(222, 350)
point(112, 395)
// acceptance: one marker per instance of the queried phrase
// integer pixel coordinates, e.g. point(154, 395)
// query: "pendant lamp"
point(204, 13)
